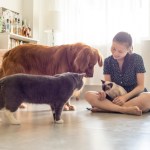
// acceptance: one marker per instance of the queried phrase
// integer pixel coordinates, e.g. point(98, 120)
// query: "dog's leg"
point(11, 117)
point(58, 111)
point(71, 107)
point(68, 106)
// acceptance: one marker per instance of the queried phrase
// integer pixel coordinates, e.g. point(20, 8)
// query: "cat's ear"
point(103, 82)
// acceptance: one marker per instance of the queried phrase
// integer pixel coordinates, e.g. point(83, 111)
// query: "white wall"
point(44, 8)
point(30, 12)
point(15, 5)
point(145, 47)
point(36, 11)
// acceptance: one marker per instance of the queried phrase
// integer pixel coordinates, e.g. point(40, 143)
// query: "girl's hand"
point(101, 95)
point(120, 100)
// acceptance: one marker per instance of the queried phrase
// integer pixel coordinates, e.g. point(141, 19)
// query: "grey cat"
point(38, 89)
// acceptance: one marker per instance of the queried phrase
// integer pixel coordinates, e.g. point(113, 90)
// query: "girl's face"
point(119, 50)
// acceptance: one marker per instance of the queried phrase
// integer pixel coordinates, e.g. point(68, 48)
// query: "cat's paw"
point(59, 121)
point(10, 117)
point(15, 122)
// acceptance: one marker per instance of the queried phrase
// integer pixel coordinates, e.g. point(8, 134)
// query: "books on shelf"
point(10, 40)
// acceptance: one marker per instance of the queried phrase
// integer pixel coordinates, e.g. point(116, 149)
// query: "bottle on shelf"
point(29, 31)
point(7, 25)
point(12, 25)
point(24, 27)
point(15, 27)
point(1, 24)
point(19, 27)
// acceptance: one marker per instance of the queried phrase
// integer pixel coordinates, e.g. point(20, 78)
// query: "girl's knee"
point(144, 96)
point(91, 96)
point(87, 95)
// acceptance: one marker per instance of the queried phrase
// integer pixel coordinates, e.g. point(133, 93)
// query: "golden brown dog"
point(45, 60)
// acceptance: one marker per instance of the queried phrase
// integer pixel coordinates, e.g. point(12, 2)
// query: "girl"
point(126, 69)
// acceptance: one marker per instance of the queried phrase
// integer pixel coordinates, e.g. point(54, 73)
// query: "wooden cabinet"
point(10, 40)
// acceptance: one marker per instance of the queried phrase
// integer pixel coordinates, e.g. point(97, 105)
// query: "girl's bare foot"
point(133, 110)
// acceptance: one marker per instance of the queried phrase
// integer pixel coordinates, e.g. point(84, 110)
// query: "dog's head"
point(85, 58)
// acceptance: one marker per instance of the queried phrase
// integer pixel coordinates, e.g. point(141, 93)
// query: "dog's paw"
point(59, 121)
point(66, 108)
point(69, 108)
point(72, 108)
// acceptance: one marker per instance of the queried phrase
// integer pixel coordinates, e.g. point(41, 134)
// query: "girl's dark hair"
point(123, 37)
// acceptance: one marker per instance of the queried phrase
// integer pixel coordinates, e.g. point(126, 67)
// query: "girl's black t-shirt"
point(126, 77)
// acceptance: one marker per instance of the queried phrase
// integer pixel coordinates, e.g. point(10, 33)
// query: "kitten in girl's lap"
point(112, 89)
point(38, 89)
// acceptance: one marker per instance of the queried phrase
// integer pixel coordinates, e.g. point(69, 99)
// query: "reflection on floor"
point(82, 130)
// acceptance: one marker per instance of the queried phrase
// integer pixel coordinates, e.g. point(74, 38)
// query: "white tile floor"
point(82, 130)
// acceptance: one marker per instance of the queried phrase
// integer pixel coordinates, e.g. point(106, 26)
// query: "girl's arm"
point(107, 77)
point(139, 88)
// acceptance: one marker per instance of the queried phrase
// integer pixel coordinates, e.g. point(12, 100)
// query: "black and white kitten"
point(112, 89)
point(38, 89)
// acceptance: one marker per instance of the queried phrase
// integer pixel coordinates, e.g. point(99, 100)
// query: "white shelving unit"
point(6, 40)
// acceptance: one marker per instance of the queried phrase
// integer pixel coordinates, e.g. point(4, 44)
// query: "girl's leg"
point(142, 101)
point(93, 98)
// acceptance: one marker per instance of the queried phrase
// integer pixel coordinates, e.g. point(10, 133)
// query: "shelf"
point(11, 40)
point(19, 37)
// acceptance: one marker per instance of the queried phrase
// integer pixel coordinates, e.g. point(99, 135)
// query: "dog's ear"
point(100, 58)
point(82, 60)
